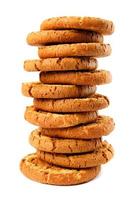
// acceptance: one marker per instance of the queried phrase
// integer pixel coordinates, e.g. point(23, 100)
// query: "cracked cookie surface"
point(63, 36)
point(97, 157)
point(53, 120)
point(105, 27)
point(98, 77)
point(102, 126)
point(93, 102)
point(60, 145)
point(78, 49)
point(61, 64)
point(40, 90)
point(43, 172)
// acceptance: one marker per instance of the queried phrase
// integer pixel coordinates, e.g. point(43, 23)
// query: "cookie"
point(98, 77)
point(59, 145)
point(43, 172)
point(40, 90)
point(61, 64)
point(103, 126)
point(91, 103)
point(102, 26)
point(52, 120)
point(78, 49)
point(97, 157)
point(63, 36)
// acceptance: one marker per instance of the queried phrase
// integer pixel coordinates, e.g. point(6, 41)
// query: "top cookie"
point(102, 26)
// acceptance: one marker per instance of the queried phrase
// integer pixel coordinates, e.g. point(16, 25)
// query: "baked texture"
point(62, 36)
point(60, 145)
point(102, 26)
point(97, 157)
point(52, 120)
point(98, 77)
point(40, 171)
point(78, 49)
point(103, 126)
point(61, 64)
point(91, 103)
point(52, 91)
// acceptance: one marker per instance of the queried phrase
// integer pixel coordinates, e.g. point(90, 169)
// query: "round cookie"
point(52, 91)
point(103, 126)
point(61, 64)
point(102, 26)
point(59, 145)
point(91, 103)
point(63, 36)
point(52, 120)
point(40, 171)
point(86, 160)
point(98, 77)
point(78, 49)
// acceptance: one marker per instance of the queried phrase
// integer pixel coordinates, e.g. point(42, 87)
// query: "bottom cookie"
point(42, 172)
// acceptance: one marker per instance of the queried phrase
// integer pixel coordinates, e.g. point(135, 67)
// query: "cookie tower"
point(68, 140)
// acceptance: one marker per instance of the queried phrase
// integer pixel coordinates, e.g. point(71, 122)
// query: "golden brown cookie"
point(78, 49)
point(97, 157)
point(91, 103)
point(103, 126)
point(40, 171)
point(98, 77)
point(63, 36)
point(102, 26)
point(51, 91)
point(52, 120)
point(59, 145)
point(61, 64)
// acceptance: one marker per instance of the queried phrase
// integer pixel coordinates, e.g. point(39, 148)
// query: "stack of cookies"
point(68, 141)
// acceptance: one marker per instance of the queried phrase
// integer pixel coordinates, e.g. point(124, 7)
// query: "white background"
point(118, 178)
